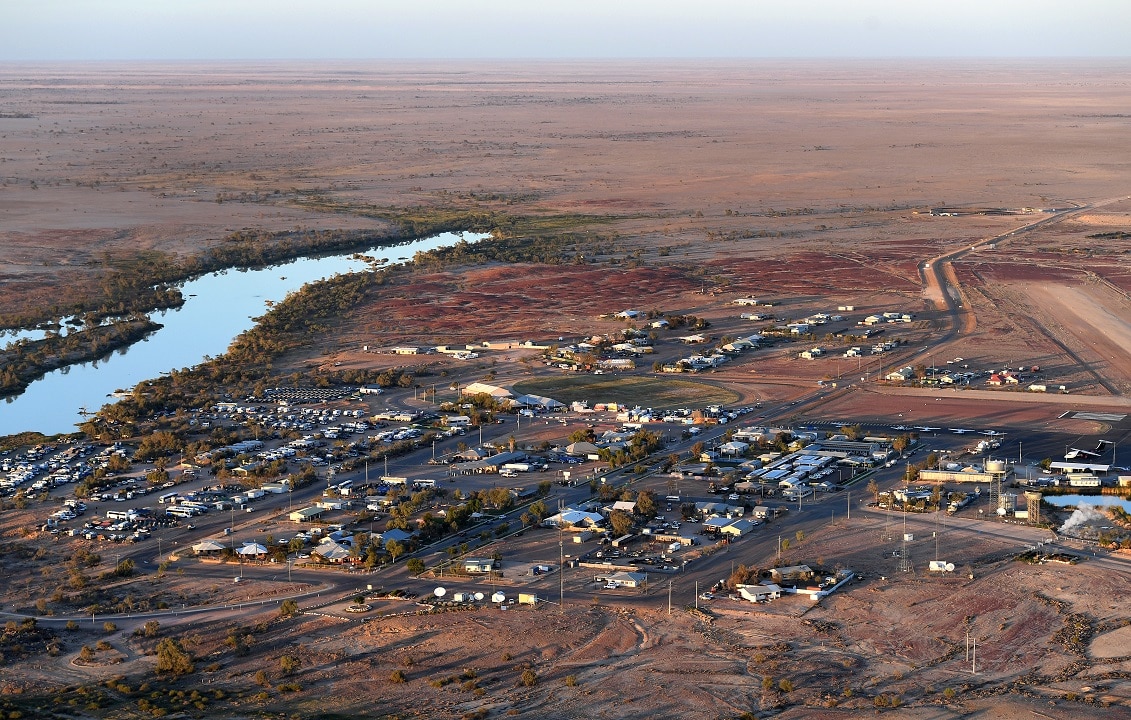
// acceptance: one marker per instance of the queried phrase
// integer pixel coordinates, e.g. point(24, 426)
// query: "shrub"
point(571, 681)
point(288, 608)
point(289, 664)
point(398, 676)
point(529, 678)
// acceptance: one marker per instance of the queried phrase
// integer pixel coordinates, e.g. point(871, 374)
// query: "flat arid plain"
point(990, 199)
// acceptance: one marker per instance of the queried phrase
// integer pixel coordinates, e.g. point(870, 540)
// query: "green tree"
point(620, 522)
point(173, 659)
point(646, 503)
point(288, 609)
point(395, 548)
point(125, 568)
point(415, 566)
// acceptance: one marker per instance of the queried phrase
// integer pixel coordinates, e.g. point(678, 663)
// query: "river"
point(218, 307)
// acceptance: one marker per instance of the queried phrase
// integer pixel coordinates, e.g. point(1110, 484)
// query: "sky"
point(46, 30)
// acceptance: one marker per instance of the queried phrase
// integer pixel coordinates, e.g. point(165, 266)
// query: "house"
point(628, 314)
point(478, 565)
point(208, 547)
point(694, 339)
point(405, 350)
point(738, 528)
point(581, 449)
point(759, 593)
point(767, 512)
point(628, 506)
point(306, 514)
point(660, 324)
point(332, 551)
point(715, 524)
point(904, 373)
point(571, 518)
point(734, 447)
point(457, 421)
point(252, 550)
point(370, 390)
point(628, 579)
point(396, 534)
point(793, 573)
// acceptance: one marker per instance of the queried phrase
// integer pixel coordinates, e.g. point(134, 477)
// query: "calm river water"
point(217, 308)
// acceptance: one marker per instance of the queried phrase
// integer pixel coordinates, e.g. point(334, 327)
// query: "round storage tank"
point(995, 466)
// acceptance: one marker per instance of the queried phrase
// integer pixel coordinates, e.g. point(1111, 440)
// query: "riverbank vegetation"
point(25, 361)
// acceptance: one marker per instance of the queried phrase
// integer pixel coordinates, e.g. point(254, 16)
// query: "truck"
point(255, 493)
point(518, 467)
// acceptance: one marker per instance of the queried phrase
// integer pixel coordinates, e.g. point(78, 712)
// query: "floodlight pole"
point(669, 597)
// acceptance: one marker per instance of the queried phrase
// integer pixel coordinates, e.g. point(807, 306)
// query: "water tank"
point(995, 466)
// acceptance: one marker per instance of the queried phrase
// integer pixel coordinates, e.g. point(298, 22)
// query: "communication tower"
point(904, 552)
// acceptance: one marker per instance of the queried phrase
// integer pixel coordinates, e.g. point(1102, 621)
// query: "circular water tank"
point(478, 597)
point(950, 567)
point(995, 466)
point(498, 597)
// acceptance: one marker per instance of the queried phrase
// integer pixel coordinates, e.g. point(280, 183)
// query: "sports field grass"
point(659, 393)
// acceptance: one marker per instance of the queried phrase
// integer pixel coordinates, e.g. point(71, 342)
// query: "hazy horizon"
point(193, 30)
